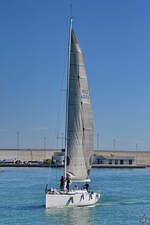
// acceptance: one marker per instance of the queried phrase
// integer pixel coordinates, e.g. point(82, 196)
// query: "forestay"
point(80, 122)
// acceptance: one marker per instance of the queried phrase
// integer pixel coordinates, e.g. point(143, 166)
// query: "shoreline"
point(94, 166)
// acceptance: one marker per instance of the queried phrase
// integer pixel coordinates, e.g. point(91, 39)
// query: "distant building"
point(58, 159)
point(113, 160)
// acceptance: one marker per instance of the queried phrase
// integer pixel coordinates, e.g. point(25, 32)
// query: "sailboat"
point(79, 135)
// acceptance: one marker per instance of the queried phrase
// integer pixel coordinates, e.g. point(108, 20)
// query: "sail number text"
point(84, 94)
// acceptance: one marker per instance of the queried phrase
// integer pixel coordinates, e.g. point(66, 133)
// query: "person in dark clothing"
point(68, 184)
point(61, 183)
point(86, 186)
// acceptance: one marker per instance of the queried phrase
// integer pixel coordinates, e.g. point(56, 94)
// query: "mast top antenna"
point(71, 16)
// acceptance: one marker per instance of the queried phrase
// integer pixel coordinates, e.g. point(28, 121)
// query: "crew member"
point(86, 186)
point(68, 183)
point(61, 183)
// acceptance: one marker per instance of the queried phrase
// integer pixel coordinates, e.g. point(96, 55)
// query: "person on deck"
point(61, 183)
point(68, 184)
point(86, 186)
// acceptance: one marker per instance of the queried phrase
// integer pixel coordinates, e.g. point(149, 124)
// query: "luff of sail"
point(80, 122)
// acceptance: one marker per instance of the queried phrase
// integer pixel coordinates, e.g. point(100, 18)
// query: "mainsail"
point(79, 116)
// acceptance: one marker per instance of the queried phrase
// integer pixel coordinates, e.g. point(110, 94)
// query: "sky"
point(115, 39)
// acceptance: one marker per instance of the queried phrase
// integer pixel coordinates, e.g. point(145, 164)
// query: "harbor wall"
point(140, 157)
point(27, 154)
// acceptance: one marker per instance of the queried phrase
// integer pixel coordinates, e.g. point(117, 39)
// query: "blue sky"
point(115, 38)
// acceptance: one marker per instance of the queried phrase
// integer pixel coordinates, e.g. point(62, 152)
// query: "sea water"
point(125, 198)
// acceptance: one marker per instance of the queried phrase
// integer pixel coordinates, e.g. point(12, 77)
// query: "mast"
point(67, 99)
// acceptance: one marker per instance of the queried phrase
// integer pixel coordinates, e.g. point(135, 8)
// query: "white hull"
point(71, 198)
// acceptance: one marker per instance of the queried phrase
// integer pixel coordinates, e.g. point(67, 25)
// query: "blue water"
point(125, 198)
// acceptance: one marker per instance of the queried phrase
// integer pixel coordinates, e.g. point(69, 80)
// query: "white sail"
point(80, 122)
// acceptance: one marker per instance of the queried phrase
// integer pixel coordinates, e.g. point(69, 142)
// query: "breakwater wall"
point(140, 157)
point(27, 154)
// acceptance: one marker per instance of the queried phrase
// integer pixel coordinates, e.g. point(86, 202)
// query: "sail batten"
point(80, 122)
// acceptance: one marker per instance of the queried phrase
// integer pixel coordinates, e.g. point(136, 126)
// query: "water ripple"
point(21, 207)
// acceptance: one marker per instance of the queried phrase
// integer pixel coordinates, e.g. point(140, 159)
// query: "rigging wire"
point(60, 113)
